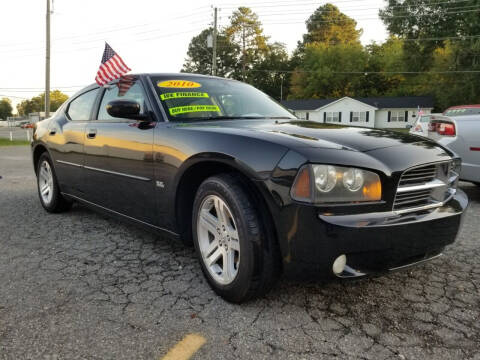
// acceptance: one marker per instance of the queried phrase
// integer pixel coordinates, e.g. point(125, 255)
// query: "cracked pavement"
point(80, 285)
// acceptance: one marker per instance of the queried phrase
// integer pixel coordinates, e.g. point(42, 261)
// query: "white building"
point(379, 112)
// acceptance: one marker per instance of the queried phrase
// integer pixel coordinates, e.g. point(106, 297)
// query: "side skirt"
point(116, 214)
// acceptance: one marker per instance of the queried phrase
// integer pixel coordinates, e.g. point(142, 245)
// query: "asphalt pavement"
point(79, 285)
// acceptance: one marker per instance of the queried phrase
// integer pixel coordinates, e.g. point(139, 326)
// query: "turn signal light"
point(302, 186)
point(373, 191)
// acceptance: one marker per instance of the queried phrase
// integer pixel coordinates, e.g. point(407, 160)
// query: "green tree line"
point(433, 49)
point(37, 103)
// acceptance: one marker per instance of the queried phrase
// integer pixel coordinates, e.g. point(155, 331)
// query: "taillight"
point(446, 129)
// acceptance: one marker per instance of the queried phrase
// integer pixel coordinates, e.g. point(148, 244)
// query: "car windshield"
point(194, 98)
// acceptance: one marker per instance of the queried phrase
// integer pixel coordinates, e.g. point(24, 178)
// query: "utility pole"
point(214, 52)
point(244, 53)
point(281, 87)
point(47, 65)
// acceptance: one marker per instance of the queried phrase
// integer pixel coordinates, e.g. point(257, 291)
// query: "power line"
point(307, 12)
point(372, 72)
point(114, 29)
point(296, 4)
point(119, 42)
point(333, 2)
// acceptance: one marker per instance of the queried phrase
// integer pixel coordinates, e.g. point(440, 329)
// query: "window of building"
point(333, 116)
point(397, 116)
point(358, 116)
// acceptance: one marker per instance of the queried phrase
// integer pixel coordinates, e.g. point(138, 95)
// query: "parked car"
point(460, 133)
point(218, 163)
point(421, 125)
point(27, 126)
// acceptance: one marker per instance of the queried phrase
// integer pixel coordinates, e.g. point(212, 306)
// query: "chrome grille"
point(419, 175)
point(425, 186)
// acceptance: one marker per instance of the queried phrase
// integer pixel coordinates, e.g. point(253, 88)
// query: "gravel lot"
point(82, 286)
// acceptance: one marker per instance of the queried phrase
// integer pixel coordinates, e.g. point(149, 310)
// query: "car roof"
point(93, 85)
point(464, 107)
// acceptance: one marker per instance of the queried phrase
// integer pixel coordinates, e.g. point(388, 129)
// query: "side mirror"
point(127, 109)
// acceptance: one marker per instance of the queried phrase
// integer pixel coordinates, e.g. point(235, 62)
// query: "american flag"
point(111, 68)
point(125, 83)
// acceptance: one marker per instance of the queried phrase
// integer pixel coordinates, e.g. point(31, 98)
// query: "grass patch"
point(7, 142)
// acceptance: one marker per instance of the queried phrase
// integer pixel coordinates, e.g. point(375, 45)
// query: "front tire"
point(235, 252)
point(48, 189)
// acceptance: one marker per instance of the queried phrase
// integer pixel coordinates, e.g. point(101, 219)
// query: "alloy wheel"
point(218, 239)
point(45, 182)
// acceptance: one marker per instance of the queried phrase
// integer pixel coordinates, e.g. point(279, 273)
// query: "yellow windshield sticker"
point(193, 108)
point(178, 84)
point(176, 95)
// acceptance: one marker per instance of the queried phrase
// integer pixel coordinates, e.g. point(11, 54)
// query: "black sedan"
point(220, 164)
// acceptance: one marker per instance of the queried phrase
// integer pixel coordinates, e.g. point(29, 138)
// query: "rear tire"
point(48, 189)
point(236, 254)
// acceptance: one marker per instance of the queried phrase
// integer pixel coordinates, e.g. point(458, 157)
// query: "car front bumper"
point(372, 243)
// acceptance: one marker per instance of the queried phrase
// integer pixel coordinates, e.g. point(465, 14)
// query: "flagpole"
point(47, 64)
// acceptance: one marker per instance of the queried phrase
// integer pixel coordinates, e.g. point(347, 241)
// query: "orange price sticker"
point(178, 84)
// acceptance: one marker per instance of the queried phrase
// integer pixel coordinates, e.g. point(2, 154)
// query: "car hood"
point(298, 134)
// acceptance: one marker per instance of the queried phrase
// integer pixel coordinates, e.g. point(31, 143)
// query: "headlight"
point(336, 184)
point(325, 177)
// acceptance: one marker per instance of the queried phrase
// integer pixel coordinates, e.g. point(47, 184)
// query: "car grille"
point(425, 186)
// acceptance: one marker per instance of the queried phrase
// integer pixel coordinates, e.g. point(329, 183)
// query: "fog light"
point(339, 264)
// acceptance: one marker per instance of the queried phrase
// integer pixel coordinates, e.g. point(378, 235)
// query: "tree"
point(386, 59)
point(199, 60)
point(418, 19)
point(5, 108)
point(438, 38)
point(271, 73)
point(37, 103)
point(245, 31)
point(326, 71)
point(329, 25)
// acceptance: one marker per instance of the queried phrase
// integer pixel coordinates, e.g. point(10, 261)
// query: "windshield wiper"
point(246, 118)
point(232, 117)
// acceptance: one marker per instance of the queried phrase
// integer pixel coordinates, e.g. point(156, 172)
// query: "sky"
point(150, 35)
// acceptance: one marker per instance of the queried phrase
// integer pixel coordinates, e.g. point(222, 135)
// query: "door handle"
point(53, 131)
point(91, 133)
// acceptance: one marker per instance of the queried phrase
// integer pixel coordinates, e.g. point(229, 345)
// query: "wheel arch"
point(38, 150)
point(202, 168)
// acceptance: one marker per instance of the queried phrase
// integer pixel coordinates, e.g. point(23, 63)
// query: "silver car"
point(421, 125)
point(461, 134)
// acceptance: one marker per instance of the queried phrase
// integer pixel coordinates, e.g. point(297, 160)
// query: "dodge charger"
point(259, 193)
